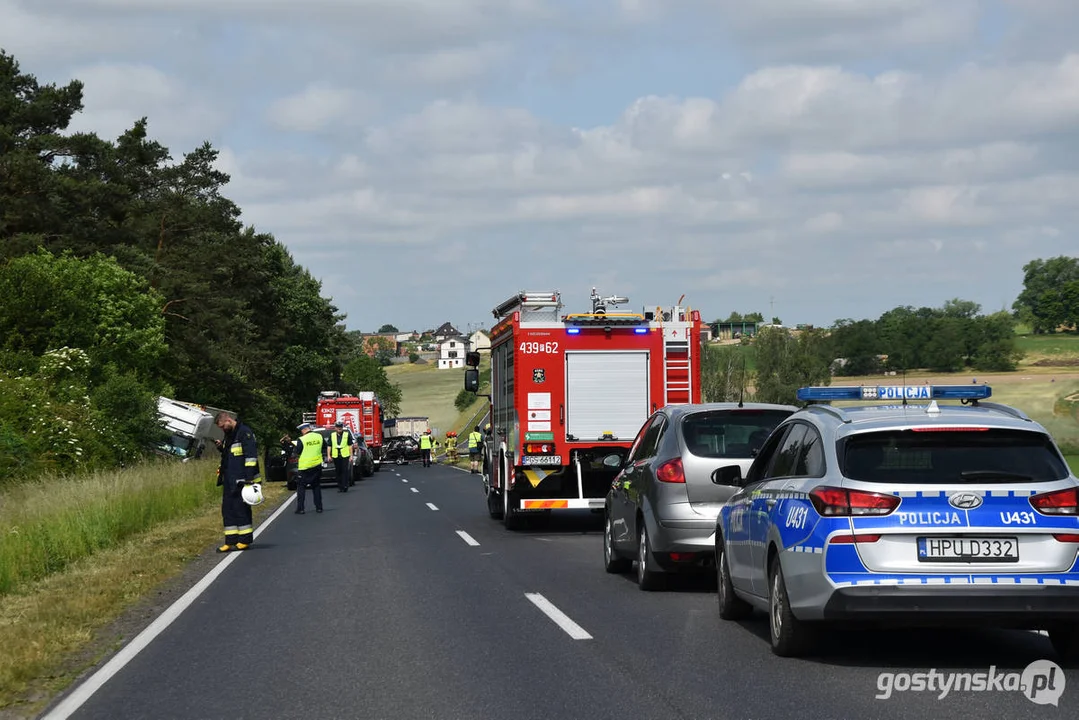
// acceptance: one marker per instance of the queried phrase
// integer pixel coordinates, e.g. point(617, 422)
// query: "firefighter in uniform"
point(342, 445)
point(425, 447)
point(239, 466)
point(451, 446)
point(474, 440)
point(308, 467)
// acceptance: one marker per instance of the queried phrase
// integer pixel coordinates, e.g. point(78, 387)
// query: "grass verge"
point(55, 627)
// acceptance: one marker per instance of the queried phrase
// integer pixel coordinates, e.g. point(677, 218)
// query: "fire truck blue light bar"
point(640, 331)
point(573, 331)
point(896, 392)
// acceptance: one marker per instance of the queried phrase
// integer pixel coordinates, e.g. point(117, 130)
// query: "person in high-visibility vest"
point(308, 467)
point(451, 447)
point(342, 445)
point(425, 448)
point(474, 440)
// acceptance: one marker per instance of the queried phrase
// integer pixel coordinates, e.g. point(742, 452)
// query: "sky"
point(427, 159)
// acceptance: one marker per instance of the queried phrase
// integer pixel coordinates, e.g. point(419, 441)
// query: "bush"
point(463, 400)
point(413, 357)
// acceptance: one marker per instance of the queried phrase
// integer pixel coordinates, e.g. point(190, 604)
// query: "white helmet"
point(252, 494)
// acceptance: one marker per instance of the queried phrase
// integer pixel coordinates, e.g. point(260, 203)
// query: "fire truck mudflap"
point(569, 394)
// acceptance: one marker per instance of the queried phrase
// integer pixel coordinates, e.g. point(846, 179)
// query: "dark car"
point(360, 465)
point(401, 450)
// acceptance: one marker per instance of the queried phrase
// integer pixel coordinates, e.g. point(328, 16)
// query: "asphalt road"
point(404, 600)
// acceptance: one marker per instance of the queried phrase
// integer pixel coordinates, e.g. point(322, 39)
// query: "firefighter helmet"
point(252, 494)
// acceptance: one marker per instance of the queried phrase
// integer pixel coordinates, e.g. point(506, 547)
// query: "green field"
point(429, 392)
point(1060, 346)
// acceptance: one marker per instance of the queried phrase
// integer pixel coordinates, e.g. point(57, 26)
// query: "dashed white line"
point(467, 538)
point(414, 489)
point(432, 506)
point(560, 618)
point(403, 480)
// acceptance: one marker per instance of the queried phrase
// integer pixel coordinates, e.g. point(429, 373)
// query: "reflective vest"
point(338, 446)
point(474, 439)
point(311, 454)
point(425, 442)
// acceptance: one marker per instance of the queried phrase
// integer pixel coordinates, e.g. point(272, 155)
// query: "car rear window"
point(729, 433)
point(964, 456)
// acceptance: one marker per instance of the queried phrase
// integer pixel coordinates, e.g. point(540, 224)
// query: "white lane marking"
point(432, 506)
point(467, 538)
point(403, 480)
point(560, 618)
point(414, 489)
point(94, 683)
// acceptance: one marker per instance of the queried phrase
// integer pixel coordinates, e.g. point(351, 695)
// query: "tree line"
point(126, 274)
point(952, 338)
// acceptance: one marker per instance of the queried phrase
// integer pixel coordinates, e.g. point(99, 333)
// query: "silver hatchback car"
point(662, 506)
point(903, 512)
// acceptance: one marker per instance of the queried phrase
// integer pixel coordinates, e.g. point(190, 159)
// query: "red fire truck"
point(570, 392)
point(362, 414)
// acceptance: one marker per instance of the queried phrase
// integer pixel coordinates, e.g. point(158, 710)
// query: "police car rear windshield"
point(964, 456)
point(729, 433)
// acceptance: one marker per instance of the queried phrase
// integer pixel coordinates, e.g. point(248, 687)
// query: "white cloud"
point(317, 107)
point(861, 136)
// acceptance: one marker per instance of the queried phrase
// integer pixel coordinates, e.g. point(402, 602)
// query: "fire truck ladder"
point(676, 371)
point(367, 423)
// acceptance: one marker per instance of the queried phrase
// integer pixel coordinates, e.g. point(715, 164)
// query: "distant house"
point(479, 341)
point(375, 342)
point(446, 330)
point(451, 353)
point(734, 330)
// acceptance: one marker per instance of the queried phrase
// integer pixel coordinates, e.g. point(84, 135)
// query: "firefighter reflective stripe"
point(311, 455)
point(474, 439)
point(232, 530)
point(244, 530)
point(338, 446)
point(251, 462)
point(236, 449)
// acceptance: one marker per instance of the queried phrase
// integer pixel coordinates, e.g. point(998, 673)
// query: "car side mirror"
point(613, 461)
point(472, 380)
point(729, 475)
point(472, 359)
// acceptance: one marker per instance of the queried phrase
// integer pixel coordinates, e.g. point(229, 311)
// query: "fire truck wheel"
point(494, 505)
point(510, 517)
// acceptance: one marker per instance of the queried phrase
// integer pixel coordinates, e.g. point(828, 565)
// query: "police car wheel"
point(612, 563)
point(789, 636)
point(1065, 640)
point(731, 607)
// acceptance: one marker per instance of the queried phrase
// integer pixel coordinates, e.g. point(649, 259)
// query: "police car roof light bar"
point(895, 392)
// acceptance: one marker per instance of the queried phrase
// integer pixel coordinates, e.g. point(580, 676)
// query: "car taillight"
point(671, 472)
point(1066, 537)
point(539, 449)
point(837, 502)
point(1058, 502)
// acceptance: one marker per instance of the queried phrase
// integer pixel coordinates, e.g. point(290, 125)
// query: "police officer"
point(474, 440)
point(308, 467)
point(342, 445)
point(239, 466)
point(425, 447)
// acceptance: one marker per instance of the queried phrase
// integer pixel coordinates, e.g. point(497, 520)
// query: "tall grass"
point(47, 525)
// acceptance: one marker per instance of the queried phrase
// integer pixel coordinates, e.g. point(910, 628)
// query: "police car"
point(909, 510)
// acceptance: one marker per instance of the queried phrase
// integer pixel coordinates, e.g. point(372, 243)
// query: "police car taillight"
point(1059, 502)
point(837, 502)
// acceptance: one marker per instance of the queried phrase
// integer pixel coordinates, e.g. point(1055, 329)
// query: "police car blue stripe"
point(847, 580)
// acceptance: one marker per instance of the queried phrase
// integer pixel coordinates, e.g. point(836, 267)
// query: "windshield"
point(908, 456)
point(729, 433)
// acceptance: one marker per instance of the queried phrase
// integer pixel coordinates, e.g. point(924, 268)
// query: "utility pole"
point(772, 308)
